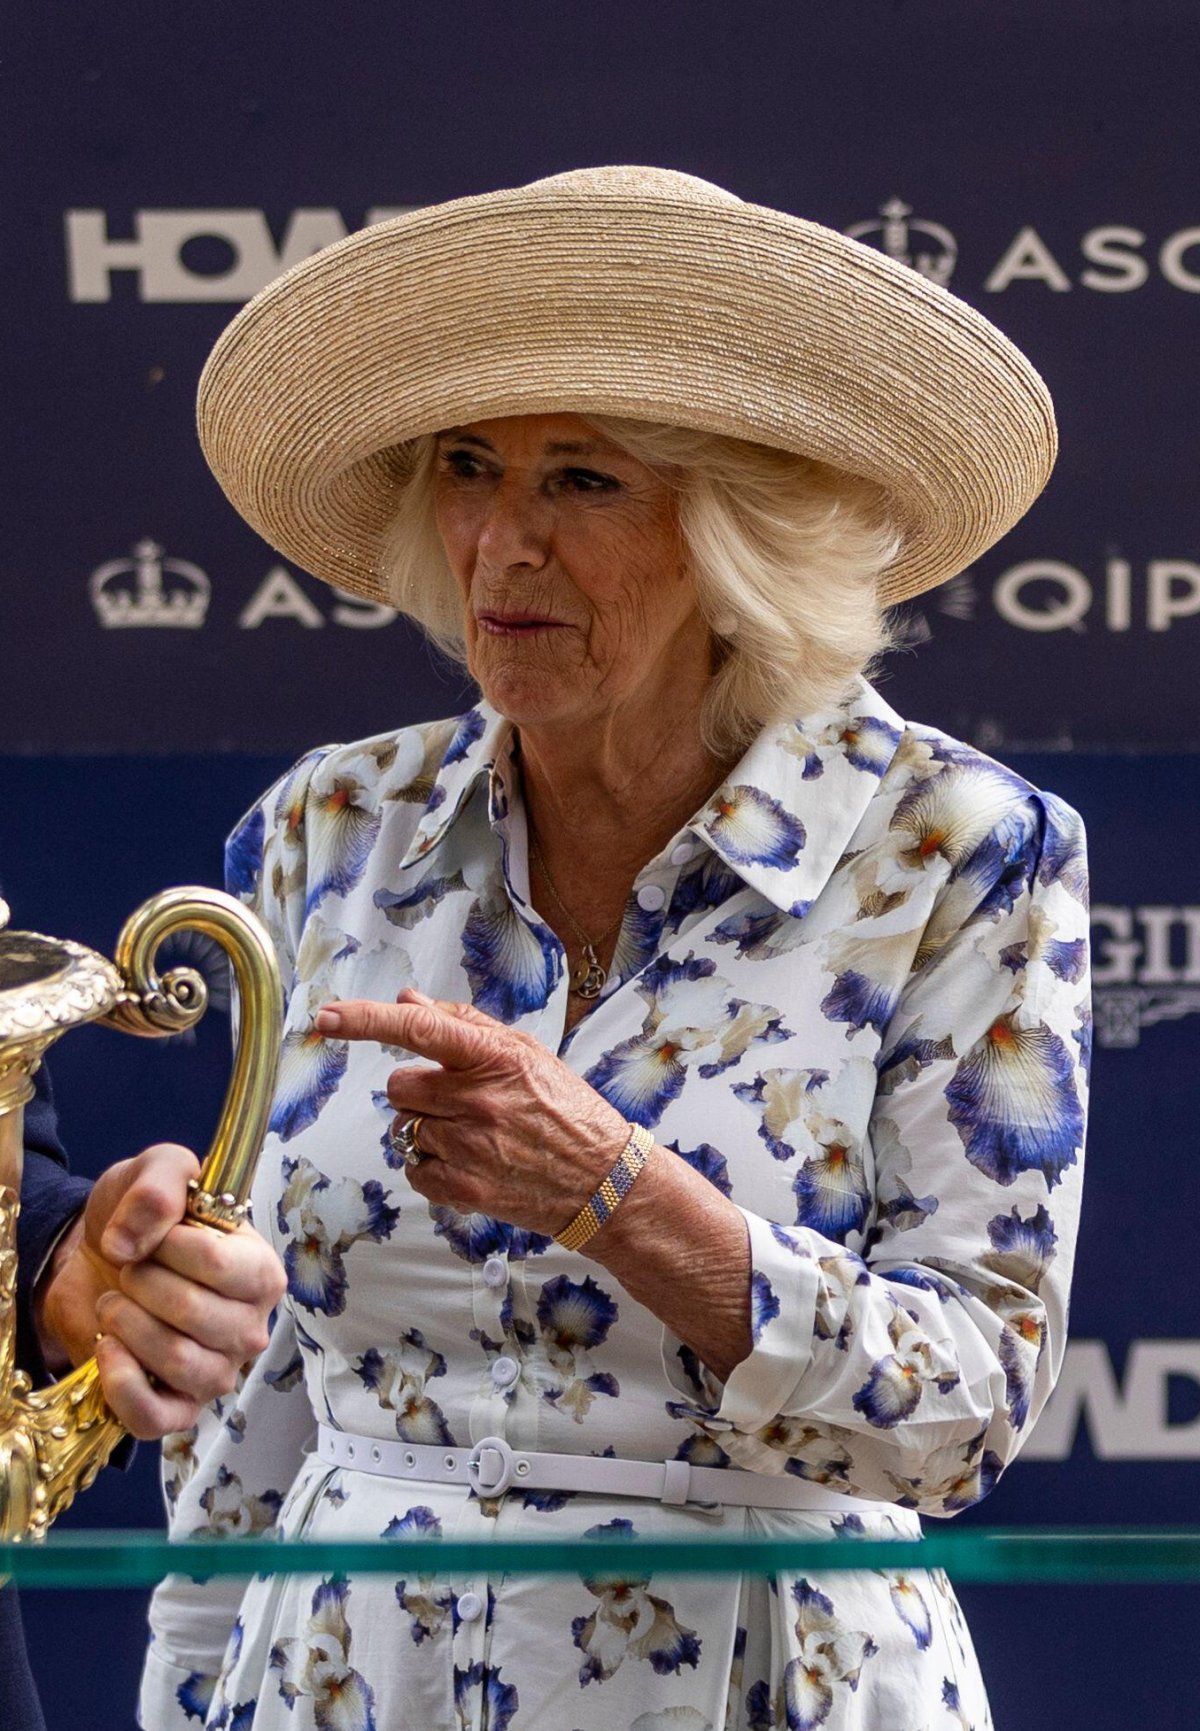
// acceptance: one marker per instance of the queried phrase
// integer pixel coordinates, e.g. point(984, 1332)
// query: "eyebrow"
point(560, 448)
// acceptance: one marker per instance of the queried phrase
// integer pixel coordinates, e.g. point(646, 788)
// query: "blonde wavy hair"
point(786, 555)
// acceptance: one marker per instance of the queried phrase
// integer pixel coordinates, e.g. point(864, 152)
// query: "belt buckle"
point(490, 1477)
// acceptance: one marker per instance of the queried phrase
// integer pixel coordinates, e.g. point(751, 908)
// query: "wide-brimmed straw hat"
point(626, 291)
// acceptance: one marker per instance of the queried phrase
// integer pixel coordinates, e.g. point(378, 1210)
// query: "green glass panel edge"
point(1101, 1556)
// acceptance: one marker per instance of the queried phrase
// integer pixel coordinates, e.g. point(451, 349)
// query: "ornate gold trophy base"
point(53, 1441)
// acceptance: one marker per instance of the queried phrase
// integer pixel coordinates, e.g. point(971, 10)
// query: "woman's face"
point(568, 558)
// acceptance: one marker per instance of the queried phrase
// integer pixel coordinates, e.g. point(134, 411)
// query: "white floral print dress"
point(851, 992)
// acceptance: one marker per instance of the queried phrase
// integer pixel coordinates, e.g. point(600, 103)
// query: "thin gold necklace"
point(589, 978)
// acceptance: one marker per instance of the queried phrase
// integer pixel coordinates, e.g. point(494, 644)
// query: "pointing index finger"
point(419, 1027)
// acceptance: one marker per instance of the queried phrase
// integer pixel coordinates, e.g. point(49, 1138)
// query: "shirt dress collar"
point(781, 820)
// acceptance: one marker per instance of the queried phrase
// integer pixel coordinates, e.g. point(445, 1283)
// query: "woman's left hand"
point(508, 1129)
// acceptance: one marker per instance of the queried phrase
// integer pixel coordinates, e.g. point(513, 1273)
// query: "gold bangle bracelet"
point(612, 1192)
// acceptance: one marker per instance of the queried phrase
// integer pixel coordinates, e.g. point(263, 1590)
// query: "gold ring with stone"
point(404, 1141)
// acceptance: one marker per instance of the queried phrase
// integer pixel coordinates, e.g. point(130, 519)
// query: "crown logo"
point(895, 233)
point(149, 590)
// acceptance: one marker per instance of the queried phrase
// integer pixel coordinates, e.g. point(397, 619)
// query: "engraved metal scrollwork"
point(53, 1441)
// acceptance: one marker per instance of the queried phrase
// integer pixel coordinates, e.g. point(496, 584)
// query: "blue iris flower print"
point(637, 940)
point(1003, 865)
point(1022, 1250)
point(860, 1001)
point(1042, 948)
point(1063, 856)
point(701, 1449)
point(481, 1697)
point(751, 828)
point(468, 729)
point(760, 1709)
point(179, 1462)
point(629, 1622)
point(475, 1237)
point(426, 1603)
point(764, 1306)
point(310, 1068)
point(1019, 1349)
point(574, 1318)
point(324, 1218)
point(909, 1605)
point(419, 1522)
point(195, 1694)
point(704, 883)
point(946, 818)
point(397, 1379)
point(693, 1021)
point(866, 742)
point(244, 854)
point(967, 1485)
point(513, 967)
point(341, 838)
point(709, 1162)
point(315, 1666)
point(231, 1511)
point(1082, 1035)
point(902, 1211)
point(802, 1112)
point(293, 793)
point(897, 1382)
point(830, 1656)
point(761, 933)
point(911, 1054)
point(417, 904)
point(406, 764)
point(239, 1718)
point(1013, 1102)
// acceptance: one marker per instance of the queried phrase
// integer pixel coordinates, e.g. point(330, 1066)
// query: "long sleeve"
point(230, 1475)
point(51, 1197)
point(912, 1372)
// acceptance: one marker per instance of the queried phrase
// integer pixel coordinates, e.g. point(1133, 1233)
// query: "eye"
point(588, 481)
point(464, 464)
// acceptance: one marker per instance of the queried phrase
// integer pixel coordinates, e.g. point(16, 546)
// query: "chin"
point(526, 692)
point(529, 699)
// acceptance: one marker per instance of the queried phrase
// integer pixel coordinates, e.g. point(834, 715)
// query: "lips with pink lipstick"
point(498, 624)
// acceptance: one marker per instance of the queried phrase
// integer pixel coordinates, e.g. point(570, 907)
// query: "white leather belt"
point(493, 1465)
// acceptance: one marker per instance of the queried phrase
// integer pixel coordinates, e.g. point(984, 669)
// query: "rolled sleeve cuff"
point(784, 1284)
point(784, 1280)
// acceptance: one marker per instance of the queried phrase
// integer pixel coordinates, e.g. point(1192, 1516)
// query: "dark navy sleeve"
point(50, 1198)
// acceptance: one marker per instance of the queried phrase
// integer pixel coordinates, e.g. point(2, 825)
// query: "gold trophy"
point(53, 1441)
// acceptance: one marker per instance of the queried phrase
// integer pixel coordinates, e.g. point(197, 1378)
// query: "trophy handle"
point(71, 1432)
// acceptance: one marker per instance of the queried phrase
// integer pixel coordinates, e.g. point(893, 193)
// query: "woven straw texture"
point(625, 291)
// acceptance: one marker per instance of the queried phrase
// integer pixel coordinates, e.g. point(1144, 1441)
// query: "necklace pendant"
point(589, 976)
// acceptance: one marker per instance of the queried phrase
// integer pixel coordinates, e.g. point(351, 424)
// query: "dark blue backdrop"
point(159, 166)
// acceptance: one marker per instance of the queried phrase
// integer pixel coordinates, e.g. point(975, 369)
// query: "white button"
point(651, 897)
point(495, 1271)
point(470, 1606)
point(504, 1371)
point(682, 852)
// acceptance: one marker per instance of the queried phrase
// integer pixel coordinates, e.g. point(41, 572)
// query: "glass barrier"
point(139, 1558)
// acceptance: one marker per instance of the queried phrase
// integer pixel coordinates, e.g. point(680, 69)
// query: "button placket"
point(495, 1272)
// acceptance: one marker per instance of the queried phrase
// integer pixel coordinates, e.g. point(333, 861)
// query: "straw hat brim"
point(652, 303)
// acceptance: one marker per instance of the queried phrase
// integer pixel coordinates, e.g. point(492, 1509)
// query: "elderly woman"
point(680, 1115)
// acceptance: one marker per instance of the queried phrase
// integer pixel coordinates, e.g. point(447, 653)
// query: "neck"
point(619, 786)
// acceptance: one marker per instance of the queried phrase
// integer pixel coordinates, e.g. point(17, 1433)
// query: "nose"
point(517, 528)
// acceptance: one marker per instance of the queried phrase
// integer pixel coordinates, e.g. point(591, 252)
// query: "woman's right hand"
point(181, 1307)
